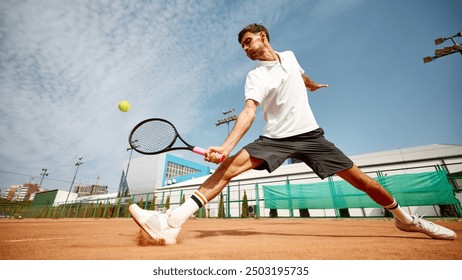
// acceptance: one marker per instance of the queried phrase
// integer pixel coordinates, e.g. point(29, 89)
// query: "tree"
point(167, 202)
point(198, 213)
point(141, 203)
point(100, 210)
point(245, 206)
point(183, 199)
point(221, 207)
point(153, 203)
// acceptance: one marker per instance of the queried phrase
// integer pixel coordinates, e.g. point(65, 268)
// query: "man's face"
point(252, 44)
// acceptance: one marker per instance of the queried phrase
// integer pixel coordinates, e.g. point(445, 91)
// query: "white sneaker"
point(431, 229)
point(155, 224)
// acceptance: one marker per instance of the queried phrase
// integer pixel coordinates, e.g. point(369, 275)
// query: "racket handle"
point(201, 151)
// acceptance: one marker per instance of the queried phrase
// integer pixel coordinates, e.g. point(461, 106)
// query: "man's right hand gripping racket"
point(155, 136)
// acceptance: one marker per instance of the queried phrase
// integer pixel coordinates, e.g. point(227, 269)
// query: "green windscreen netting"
point(429, 188)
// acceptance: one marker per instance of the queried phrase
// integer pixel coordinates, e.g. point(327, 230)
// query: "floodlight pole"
point(78, 163)
point(227, 120)
point(125, 188)
point(447, 50)
point(44, 173)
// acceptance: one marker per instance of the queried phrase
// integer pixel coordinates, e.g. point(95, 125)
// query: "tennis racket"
point(155, 136)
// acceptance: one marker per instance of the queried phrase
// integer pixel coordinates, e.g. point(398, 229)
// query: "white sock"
point(399, 213)
point(181, 214)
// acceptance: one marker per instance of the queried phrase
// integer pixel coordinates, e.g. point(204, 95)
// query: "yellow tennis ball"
point(124, 106)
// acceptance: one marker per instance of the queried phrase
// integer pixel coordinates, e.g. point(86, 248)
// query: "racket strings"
point(153, 136)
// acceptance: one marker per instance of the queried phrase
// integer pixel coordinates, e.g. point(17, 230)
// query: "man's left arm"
point(312, 85)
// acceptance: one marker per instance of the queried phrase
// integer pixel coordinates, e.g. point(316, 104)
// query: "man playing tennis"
point(279, 85)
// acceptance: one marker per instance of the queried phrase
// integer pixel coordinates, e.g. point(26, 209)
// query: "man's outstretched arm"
point(312, 85)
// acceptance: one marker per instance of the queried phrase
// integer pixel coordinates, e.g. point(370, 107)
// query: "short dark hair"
point(254, 28)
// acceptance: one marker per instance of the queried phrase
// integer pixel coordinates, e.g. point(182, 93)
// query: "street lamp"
point(78, 163)
point(125, 183)
point(446, 50)
point(227, 120)
point(44, 173)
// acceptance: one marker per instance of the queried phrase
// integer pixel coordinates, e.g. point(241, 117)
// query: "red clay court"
point(225, 239)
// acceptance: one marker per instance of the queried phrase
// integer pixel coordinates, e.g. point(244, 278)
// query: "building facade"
point(23, 192)
point(147, 174)
point(82, 190)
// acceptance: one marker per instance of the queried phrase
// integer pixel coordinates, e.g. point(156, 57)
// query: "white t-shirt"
point(281, 92)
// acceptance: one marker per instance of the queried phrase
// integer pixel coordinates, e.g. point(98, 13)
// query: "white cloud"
point(66, 64)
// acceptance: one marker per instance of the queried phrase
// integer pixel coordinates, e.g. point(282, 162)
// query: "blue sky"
point(65, 65)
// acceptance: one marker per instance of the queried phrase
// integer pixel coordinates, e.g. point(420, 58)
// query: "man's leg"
point(212, 187)
point(379, 194)
point(166, 226)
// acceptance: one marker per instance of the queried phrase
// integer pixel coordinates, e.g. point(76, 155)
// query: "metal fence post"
point(257, 201)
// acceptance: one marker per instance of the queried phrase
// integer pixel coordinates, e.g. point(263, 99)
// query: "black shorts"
point(323, 157)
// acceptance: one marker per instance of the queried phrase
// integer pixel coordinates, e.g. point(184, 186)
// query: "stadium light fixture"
point(439, 52)
point(446, 50)
point(427, 59)
point(439, 41)
point(457, 48)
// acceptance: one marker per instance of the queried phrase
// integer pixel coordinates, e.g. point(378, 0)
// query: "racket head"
point(153, 136)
